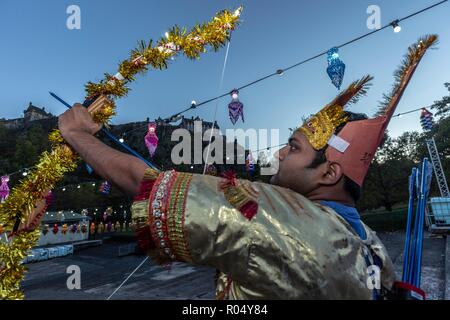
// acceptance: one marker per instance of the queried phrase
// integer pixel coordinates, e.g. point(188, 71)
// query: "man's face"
point(293, 172)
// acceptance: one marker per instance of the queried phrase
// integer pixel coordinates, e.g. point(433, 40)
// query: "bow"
point(21, 212)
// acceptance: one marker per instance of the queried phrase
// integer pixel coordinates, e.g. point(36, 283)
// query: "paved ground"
point(102, 271)
point(433, 261)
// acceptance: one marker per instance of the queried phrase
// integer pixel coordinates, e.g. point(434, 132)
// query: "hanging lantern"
point(45, 229)
point(336, 67)
point(105, 188)
point(235, 107)
point(92, 228)
point(109, 226)
point(211, 170)
point(64, 228)
point(117, 227)
point(55, 229)
point(101, 227)
point(83, 228)
point(4, 189)
point(250, 164)
point(426, 120)
point(151, 139)
point(50, 198)
point(263, 158)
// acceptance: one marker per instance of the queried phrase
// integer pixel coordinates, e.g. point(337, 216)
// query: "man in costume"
point(299, 237)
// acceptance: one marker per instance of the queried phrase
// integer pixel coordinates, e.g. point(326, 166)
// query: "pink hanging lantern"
point(4, 189)
point(151, 139)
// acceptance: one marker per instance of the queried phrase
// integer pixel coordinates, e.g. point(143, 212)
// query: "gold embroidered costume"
point(292, 248)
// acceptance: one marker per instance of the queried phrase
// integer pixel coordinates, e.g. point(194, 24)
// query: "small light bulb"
point(78, 187)
point(25, 173)
point(121, 140)
point(63, 189)
point(396, 26)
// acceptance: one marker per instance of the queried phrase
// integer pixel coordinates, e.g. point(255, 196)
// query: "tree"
point(387, 180)
point(2, 131)
point(443, 106)
point(30, 146)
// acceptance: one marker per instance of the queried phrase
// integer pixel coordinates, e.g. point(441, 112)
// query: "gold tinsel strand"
point(53, 165)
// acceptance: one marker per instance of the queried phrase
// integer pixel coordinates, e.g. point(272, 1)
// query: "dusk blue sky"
point(39, 54)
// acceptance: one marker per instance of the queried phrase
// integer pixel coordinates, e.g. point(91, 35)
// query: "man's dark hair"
point(350, 186)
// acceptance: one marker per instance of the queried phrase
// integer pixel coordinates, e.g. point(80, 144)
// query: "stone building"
point(32, 113)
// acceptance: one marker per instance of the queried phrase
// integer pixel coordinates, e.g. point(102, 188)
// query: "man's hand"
point(77, 120)
point(78, 128)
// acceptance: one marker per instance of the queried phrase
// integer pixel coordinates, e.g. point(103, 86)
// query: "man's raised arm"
point(123, 170)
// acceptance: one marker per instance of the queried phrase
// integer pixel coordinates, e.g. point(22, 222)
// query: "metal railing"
point(438, 214)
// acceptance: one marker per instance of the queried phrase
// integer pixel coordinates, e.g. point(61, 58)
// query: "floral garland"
point(21, 205)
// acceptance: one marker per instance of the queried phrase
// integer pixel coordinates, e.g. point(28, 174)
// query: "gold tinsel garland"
point(53, 165)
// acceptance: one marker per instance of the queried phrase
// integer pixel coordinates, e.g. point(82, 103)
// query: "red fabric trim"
point(230, 179)
point(144, 190)
point(249, 209)
point(410, 287)
point(144, 239)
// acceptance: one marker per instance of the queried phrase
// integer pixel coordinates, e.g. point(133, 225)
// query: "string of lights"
point(407, 112)
point(395, 24)
point(399, 115)
point(24, 172)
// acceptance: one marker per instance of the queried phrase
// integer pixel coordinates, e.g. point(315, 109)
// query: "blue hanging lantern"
point(336, 67)
point(105, 188)
point(235, 107)
point(250, 164)
point(426, 120)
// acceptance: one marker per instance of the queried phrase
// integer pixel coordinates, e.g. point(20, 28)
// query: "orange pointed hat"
point(354, 147)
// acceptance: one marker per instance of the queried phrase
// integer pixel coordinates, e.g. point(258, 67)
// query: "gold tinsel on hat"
point(319, 128)
point(403, 74)
point(52, 166)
